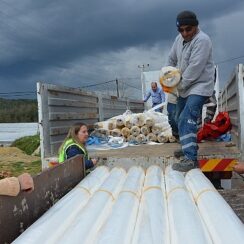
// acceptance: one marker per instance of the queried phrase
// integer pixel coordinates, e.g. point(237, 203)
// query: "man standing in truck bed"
point(191, 53)
point(157, 95)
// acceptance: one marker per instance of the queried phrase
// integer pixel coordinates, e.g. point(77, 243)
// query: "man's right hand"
point(94, 160)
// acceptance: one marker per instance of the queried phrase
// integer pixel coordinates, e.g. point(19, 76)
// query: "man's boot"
point(185, 165)
point(178, 153)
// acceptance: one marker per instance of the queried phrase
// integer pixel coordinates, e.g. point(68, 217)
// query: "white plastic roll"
point(162, 138)
point(103, 131)
point(120, 224)
point(135, 130)
point(152, 223)
point(138, 119)
point(131, 138)
point(141, 138)
point(169, 76)
point(221, 221)
point(145, 130)
point(127, 121)
point(157, 128)
point(90, 219)
point(111, 124)
point(115, 132)
point(125, 132)
point(151, 137)
point(185, 223)
point(157, 117)
point(57, 218)
point(149, 121)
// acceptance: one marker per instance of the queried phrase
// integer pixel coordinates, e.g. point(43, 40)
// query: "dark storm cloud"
point(66, 40)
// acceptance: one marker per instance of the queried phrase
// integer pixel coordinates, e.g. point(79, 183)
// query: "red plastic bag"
point(213, 130)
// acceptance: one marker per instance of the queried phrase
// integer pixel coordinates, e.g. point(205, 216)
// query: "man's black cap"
point(186, 18)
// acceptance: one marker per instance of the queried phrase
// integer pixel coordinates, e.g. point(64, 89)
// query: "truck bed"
point(207, 149)
point(163, 155)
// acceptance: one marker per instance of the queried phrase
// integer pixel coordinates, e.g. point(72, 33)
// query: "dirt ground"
point(13, 162)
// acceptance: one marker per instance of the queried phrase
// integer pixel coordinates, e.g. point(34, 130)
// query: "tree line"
point(18, 110)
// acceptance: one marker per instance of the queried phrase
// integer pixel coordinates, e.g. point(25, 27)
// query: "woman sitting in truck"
point(74, 144)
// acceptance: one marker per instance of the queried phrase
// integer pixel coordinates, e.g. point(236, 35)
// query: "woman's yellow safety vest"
point(70, 142)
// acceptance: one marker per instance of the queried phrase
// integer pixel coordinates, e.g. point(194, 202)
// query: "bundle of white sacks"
point(137, 127)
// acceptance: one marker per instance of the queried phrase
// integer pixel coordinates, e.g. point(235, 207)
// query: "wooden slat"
point(67, 116)
point(71, 103)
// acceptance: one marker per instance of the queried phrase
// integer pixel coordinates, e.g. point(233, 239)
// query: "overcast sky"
point(78, 43)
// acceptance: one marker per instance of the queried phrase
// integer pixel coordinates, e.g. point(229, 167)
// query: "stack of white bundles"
point(139, 128)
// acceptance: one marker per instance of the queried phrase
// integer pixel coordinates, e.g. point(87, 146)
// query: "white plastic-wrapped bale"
point(135, 130)
point(156, 116)
point(127, 121)
point(138, 119)
point(165, 136)
point(149, 121)
point(151, 137)
point(145, 130)
point(111, 124)
point(131, 138)
point(120, 121)
point(103, 131)
point(141, 138)
point(125, 132)
point(172, 139)
point(115, 132)
point(162, 138)
point(157, 129)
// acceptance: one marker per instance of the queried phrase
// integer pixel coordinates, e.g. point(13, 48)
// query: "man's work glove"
point(26, 182)
point(169, 79)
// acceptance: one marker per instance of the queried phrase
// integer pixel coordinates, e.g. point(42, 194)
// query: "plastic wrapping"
point(186, 225)
point(127, 121)
point(145, 130)
point(221, 221)
point(135, 130)
point(125, 132)
point(138, 119)
point(141, 138)
point(52, 223)
point(149, 121)
point(152, 222)
point(120, 224)
point(90, 219)
point(151, 137)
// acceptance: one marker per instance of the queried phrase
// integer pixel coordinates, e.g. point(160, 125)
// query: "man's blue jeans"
point(188, 110)
point(171, 109)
